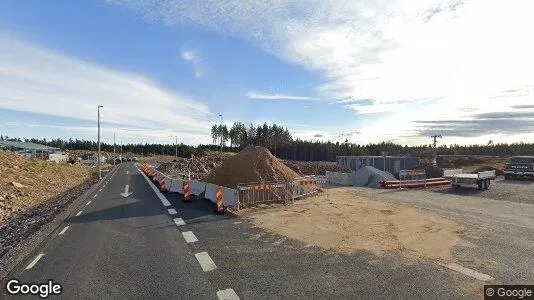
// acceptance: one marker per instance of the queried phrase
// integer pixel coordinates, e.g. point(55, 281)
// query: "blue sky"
point(367, 71)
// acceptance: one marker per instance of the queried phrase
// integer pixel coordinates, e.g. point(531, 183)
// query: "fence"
point(264, 192)
point(279, 192)
point(392, 164)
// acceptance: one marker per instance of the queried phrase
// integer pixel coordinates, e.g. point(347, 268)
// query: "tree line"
point(278, 140)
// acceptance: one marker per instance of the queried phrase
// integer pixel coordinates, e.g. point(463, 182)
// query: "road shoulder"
point(32, 240)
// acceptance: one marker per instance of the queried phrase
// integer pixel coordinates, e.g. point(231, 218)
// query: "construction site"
point(384, 205)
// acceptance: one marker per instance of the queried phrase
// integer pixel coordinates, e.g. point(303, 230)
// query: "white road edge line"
point(63, 230)
point(172, 211)
point(469, 272)
point(79, 213)
point(161, 197)
point(227, 294)
point(89, 202)
point(35, 260)
point(179, 221)
point(205, 261)
point(189, 237)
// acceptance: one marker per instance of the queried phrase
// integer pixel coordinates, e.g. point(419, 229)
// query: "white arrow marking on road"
point(126, 194)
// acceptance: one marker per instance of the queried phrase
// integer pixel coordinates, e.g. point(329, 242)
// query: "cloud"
point(192, 57)
point(391, 51)
point(527, 106)
point(258, 96)
point(317, 135)
point(40, 81)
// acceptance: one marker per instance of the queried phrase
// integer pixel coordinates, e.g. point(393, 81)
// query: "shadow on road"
point(135, 209)
point(198, 210)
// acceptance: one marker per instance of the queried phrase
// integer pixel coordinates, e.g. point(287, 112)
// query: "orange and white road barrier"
point(219, 197)
point(163, 186)
point(187, 191)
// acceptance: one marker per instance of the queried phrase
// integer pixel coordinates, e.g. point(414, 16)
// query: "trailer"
point(481, 179)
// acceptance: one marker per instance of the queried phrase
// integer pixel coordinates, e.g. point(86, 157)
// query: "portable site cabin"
point(29, 149)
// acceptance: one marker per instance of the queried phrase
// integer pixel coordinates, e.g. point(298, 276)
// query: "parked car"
point(519, 166)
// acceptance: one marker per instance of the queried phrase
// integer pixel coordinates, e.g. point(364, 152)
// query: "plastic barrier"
point(229, 197)
point(338, 178)
point(197, 187)
point(176, 186)
point(210, 192)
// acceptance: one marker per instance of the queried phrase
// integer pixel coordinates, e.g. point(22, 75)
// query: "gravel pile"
point(370, 177)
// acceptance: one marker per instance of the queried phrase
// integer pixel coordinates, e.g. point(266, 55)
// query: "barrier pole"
point(219, 197)
point(187, 192)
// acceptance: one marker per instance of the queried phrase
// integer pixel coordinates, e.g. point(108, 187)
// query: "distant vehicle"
point(482, 179)
point(117, 161)
point(519, 166)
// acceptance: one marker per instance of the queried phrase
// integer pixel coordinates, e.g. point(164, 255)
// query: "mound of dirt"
point(26, 183)
point(252, 164)
point(488, 168)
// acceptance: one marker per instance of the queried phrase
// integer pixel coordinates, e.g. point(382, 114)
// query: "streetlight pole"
point(114, 153)
point(221, 133)
point(99, 155)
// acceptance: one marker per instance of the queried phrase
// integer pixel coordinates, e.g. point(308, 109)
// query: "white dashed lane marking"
point(172, 211)
point(63, 230)
point(95, 195)
point(179, 221)
point(189, 237)
point(469, 272)
point(205, 261)
point(35, 260)
point(227, 294)
point(79, 213)
point(89, 202)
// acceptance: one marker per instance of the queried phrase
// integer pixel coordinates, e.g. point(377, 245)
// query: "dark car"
point(519, 166)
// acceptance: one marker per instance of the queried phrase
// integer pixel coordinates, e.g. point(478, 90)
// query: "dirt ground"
point(346, 222)
point(27, 183)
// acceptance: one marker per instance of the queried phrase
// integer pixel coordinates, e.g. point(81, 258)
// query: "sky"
point(367, 71)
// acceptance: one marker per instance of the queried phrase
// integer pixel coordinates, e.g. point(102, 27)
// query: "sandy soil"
point(348, 222)
point(27, 183)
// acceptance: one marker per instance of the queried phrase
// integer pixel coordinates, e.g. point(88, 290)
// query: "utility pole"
point(176, 149)
point(221, 133)
point(114, 153)
point(435, 151)
point(99, 154)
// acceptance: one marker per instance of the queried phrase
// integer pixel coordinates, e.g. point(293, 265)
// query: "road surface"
point(136, 243)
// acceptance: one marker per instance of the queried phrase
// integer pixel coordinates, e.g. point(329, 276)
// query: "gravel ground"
point(521, 191)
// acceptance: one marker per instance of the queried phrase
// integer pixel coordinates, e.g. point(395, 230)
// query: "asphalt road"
point(134, 247)
point(120, 248)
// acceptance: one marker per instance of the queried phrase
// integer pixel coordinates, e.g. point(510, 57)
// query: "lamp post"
point(99, 154)
point(221, 133)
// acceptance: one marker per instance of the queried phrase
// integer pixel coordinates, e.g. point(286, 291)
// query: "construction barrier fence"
point(194, 187)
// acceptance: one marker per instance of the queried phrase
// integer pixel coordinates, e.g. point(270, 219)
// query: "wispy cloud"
point(193, 58)
point(37, 80)
point(390, 51)
point(259, 96)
